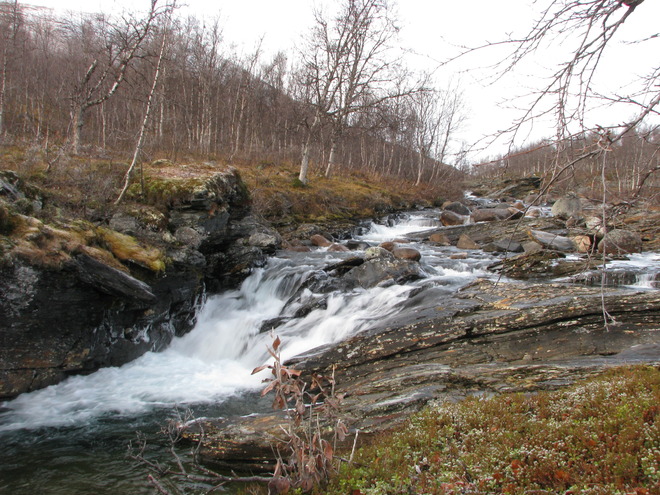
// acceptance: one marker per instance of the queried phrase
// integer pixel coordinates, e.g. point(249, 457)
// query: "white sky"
point(429, 28)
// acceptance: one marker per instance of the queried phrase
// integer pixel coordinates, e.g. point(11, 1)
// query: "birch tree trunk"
point(140, 141)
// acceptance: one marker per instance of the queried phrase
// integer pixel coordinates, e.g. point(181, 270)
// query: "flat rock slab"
point(489, 338)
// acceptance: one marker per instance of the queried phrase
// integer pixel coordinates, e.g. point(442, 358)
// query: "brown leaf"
point(279, 485)
point(278, 403)
point(270, 387)
point(327, 450)
point(260, 368)
point(276, 343)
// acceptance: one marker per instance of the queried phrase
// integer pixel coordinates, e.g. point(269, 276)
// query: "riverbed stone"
point(619, 242)
point(457, 207)
point(448, 218)
point(320, 241)
point(567, 206)
point(439, 239)
point(553, 241)
point(407, 253)
point(465, 242)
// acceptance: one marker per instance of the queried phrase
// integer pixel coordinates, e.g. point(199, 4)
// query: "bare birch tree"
point(349, 64)
point(108, 66)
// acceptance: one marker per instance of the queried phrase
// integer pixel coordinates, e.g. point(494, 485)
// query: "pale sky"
point(429, 29)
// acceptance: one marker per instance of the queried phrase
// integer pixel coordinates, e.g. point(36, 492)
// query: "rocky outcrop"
point(488, 338)
point(78, 296)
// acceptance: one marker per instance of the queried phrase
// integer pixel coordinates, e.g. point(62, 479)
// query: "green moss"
point(127, 248)
point(599, 436)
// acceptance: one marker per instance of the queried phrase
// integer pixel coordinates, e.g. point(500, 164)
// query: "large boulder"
point(407, 253)
point(553, 241)
point(449, 218)
point(384, 271)
point(495, 214)
point(457, 207)
point(620, 241)
point(567, 207)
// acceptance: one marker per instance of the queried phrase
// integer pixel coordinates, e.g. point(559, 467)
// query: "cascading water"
point(51, 436)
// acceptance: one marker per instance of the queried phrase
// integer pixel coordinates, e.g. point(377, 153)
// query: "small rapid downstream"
point(72, 437)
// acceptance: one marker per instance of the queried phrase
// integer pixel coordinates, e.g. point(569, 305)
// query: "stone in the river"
point(464, 242)
point(337, 248)
point(552, 241)
point(567, 206)
point(388, 245)
point(620, 241)
point(376, 252)
point(406, 253)
point(457, 207)
point(320, 241)
point(449, 218)
point(440, 239)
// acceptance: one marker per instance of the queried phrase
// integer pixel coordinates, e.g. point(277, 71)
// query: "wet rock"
point(457, 207)
point(619, 242)
point(488, 338)
point(465, 242)
point(344, 266)
point(388, 245)
point(566, 207)
point(405, 253)
point(189, 237)
point(495, 214)
point(531, 247)
point(384, 271)
point(503, 246)
point(269, 242)
point(439, 239)
point(449, 218)
point(377, 252)
point(320, 241)
point(357, 245)
point(553, 241)
point(337, 248)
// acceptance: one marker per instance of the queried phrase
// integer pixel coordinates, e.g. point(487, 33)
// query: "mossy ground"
point(600, 436)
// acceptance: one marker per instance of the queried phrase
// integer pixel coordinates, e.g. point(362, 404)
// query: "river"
point(73, 437)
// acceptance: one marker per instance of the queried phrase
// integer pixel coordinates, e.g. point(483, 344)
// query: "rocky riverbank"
point(80, 295)
point(489, 337)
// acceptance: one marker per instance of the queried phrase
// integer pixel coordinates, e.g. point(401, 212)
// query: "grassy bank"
point(600, 436)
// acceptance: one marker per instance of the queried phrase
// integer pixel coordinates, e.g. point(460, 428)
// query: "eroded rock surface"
point(488, 338)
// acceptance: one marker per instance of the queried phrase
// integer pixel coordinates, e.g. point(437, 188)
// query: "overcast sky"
point(431, 29)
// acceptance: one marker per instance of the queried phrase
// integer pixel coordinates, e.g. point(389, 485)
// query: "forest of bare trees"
point(80, 83)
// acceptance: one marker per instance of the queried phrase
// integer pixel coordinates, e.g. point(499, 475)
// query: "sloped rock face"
point(87, 310)
point(491, 337)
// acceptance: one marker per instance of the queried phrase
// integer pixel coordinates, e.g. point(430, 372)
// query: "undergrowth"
point(601, 436)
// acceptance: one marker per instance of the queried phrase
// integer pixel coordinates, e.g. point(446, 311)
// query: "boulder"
point(337, 248)
point(457, 207)
point(503, 246)
point(320, 241)
point(584, 243)
point(531, 247)
point(449, 218)
point(620, 241)
point(439, 239)
point(376, 252)
point(533, 213)
point(406, 253)
point(567, 206)
point(384, 271)
point(495, 214)
point(388, 245)
point(553, 241)
point(464, 242)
